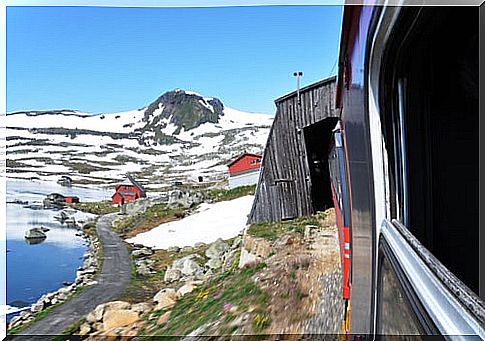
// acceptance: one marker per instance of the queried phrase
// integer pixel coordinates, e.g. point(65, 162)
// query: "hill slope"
point(179, 136)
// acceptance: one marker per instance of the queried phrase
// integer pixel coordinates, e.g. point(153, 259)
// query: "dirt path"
point(112, 280)
point(303, 279)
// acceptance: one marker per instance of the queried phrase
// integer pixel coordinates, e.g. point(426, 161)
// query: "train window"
point(432, 64)
point(392, 298)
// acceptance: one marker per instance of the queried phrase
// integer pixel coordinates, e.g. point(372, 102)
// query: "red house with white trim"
point(244, 170)
point(128, 191)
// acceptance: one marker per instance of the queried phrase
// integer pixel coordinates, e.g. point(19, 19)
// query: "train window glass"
point(434, 135)
point(392, 299)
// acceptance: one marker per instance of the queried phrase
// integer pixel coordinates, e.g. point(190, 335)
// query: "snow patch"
point(211, 221)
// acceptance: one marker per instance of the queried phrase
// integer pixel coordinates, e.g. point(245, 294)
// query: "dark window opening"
point(317, 140)
point(432, 136)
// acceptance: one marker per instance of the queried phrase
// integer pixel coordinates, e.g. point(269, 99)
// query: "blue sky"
point(103, 59)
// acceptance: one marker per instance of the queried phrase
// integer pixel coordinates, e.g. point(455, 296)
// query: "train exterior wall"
point(284, 189)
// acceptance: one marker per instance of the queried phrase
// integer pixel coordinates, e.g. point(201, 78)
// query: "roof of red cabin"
point(241, 156)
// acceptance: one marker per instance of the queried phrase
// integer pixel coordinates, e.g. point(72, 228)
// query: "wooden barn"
point(128, 191)
point(294, 179)
point(244, 170)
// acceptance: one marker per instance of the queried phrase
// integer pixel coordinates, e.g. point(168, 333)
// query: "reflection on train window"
point(396, 316)
point(432, 136)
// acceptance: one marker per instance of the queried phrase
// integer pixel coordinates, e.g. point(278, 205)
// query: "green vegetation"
point(99, 207)
point(230, 194)
point(273, 230)
point(142, 288)
point(152, 217)
point(223, 298)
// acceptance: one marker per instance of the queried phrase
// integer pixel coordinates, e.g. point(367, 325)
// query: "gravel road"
point(112, 280)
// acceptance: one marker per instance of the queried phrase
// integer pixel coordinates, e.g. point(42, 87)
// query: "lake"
point(33, 270)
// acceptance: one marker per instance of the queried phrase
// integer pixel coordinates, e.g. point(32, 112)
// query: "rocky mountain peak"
point(184, 109)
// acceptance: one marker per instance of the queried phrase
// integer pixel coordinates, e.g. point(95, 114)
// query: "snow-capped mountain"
point(180, 136)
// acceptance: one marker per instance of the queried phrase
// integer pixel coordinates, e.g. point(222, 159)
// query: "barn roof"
point(241, 156)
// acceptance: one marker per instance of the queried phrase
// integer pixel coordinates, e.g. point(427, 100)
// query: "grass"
point(273, 230)
point(99, 208)
point(142, 288)
point(230, 194)
point(152, 217)
point(234, 288)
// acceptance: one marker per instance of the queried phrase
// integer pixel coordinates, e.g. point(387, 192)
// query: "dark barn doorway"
point(317, 141)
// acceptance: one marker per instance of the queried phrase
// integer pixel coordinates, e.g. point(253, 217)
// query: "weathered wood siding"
point(284, 187)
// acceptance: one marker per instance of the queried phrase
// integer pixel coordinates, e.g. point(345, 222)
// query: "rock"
point(84, 329)
point(116, 305)
point(118, 318)
point(236, 243)
point(284, 240)
point(214, 263)
point(164, 318)
point(37, 307)
point(165, 298)
point(173, 249)
point(199, 244)
point(25, 314)
point(142, 253)
point(142, 307)
point(144, 270)
point(14, 320)
point(187, 265)
point(172, 275)
point(217, 249)
point(186, 288)
point(246, 258)
point(230, 259)
point(187, 249)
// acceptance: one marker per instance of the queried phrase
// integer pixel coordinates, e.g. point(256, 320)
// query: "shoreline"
point(85, 277)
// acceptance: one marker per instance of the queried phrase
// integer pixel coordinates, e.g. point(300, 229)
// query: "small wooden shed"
point(128, 191)
point(294, 179)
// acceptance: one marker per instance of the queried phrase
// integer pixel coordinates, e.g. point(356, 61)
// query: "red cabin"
point(127, 192)
point(245, 162)
point(244, 170)
point(71, 200)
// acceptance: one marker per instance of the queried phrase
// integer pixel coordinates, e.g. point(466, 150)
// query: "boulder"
point(187, 265)
point(84, 329)
point(186, 288)
point(236, 243)
point(141, 308)
point(37, 307)
point(173, 249)
point(199, 244)
point(144, 270)
point(118, 318)
point(172, 275)
point(214, 263)
point(142, 252)
point(229, 259)
point(116, 305)
point(217, 249)
point(187, 249)
point(165, 298)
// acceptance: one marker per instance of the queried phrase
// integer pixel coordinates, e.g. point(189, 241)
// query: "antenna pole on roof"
point(298, 74)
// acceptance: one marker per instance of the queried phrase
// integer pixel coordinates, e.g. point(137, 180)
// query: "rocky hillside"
point(179, 136)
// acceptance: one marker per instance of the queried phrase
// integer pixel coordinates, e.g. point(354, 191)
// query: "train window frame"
point(398, 108)
point(392, 103)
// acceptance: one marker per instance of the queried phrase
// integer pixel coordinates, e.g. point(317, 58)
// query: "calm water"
point(33, 270)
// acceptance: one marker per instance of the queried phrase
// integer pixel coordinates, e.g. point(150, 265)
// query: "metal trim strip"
point(450, 317)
